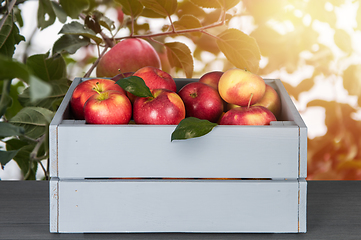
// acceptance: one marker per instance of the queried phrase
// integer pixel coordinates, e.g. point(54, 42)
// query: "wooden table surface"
point(333, 208)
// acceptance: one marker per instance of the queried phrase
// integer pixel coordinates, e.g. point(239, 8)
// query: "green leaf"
point(77, 28)
point(240, 49)
point(5, 100)
point(192, 127)
point(135, 85)
point(9, 37)
point(149, 13)
point(70, 43)
point(8, 130)
point(103, 20)
point(73, 8)
point(6, 30)
point(51, 102)
point(47, 68)
point(59, 12)
point(180, 55)
point(34, 120)
point(46, 14)
point(15, 105)
point(22, 158)
point(131, 7)
point(38, 89)
point(216, 3)
point(14, 69)
point(343, 40)
point(163, 7)
point(188, 22)
point(6, 156)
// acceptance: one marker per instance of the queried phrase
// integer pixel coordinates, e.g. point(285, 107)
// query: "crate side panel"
point(88, 151)
point(178, 206)
point(302, 205)
point(53, 204)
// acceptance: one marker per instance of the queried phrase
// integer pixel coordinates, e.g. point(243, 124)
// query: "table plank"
point(333, 211)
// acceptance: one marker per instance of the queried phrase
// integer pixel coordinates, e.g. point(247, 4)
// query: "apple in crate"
point(253, 115)
point(211, 78)
point(241, 87)
point(108, 107)
point(128, 55)
point(270, 100)
point(164, 108)
point(86, 89)
point(201, 101)
point(154, 78)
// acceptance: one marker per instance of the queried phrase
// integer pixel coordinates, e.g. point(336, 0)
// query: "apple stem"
point(96, 88)
point(249, 102)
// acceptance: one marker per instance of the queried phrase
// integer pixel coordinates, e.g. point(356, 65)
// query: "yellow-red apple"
point(270, 100)
point(128, 55)
point(108, 107)
point(241, 87)
point(86, 89)
point(201, 101)
point(211, 78)
point(164, 108)
point(253, 115)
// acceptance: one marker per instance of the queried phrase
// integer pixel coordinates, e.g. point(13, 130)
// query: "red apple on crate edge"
point(164, 108)
point(211, 78)
point(86, 89)
point(270, 100)
point(201, 101)
point(236, 86)
point(154, 78)
point(108, 107)
point(128, 55)
point(253, 115)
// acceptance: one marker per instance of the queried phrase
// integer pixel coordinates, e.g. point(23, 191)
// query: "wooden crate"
point(132, 178)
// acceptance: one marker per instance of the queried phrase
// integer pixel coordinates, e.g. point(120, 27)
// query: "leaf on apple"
point(135, 85)
point(163, 7)
point(240, 49)
point(192, 127)
point(180, 55)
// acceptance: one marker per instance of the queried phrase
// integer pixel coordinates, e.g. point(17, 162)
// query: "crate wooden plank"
point(146, 151)
point(179, 206)
point(73, 151)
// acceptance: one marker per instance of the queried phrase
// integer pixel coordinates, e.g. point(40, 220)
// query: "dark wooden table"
point(333, 208)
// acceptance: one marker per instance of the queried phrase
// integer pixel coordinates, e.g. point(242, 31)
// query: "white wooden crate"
point(132, 178)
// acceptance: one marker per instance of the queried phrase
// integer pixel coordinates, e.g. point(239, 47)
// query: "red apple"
point(253, 115)
point(164, 108)
point(211, 78)
point(122, 75)
point(86, 89)
point(108, 107)
point(128, 55)
point(201, 101)
point(120, 15)
point(241, 87)
point(154, 78)
point(270, 100)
